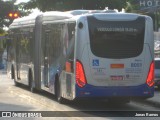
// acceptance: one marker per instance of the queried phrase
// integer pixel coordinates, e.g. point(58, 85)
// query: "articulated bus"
point(86, 55)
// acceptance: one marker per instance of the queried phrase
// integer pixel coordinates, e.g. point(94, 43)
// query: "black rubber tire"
point(158, 87)
point(59, 98)
point(13, 76)
point(30, 77)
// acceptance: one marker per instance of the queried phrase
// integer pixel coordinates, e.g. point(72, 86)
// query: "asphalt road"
point(13, 98)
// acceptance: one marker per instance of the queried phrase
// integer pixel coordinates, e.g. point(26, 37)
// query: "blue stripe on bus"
point(128, 91)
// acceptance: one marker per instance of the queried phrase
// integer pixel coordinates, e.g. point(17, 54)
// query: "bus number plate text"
point(120, 77)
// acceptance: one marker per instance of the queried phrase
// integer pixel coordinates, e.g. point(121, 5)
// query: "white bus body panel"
point(103, 71)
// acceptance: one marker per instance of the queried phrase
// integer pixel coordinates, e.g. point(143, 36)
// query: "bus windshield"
point(116, 39)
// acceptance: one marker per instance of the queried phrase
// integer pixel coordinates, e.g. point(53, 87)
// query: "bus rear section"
point(114, 56)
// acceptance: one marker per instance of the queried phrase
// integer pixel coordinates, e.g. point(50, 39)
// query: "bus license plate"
point(120, 77)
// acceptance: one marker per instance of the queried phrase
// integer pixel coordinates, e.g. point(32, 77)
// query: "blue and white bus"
point(90, 55)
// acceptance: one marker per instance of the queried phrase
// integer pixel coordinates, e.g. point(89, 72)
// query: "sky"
point(18, 1)
point(34, 11)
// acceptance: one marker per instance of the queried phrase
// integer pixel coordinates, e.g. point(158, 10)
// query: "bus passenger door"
point(46, 59)
point(18, 56)
point(69, 42)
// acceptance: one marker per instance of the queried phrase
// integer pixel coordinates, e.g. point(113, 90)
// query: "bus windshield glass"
point(116, 39)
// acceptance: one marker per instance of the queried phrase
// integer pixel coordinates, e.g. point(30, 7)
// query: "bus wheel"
point(30, 77)
point(58, 93)
point(158, 87)
point(13, 76)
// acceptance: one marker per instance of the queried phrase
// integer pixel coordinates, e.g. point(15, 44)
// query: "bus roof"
point(57, 15)
point(47, 16)
point(111, 16)
point(27, 20)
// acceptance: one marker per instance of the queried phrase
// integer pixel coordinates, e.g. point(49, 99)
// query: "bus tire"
point(59, 98)
point(13, 76)
point(30, 77)
point(158, 87)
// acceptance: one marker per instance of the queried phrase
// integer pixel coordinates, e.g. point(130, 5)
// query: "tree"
point(8, 7)
point(132, 6)
point(63, 5)
point(1, 31)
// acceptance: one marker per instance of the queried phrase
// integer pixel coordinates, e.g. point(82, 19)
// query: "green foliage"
point(22, 10)
point(63, 5)
point(1, 31)
point(132, 6)
point(6, 8)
